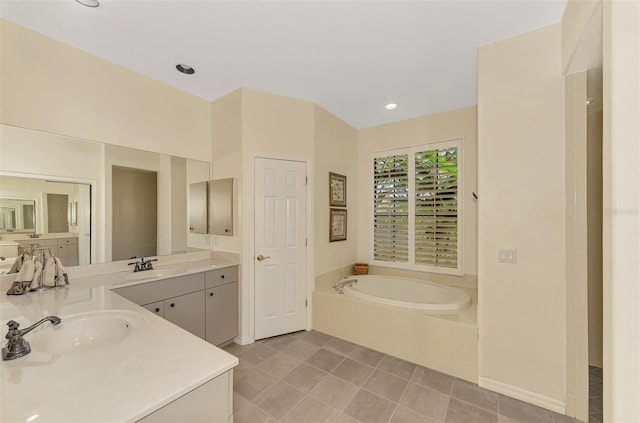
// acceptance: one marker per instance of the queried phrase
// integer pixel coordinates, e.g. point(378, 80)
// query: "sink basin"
point(148, 274)
point(87, 331)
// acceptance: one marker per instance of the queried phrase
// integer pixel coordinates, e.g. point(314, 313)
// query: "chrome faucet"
point(17, 346)
point(339, 286)
point(142, 265)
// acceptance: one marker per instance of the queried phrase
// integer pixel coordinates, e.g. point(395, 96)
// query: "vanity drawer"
point(151, 292)
point(65, 241)
point(221, 276)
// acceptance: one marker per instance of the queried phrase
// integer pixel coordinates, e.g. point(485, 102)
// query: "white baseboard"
point(522, 394)
point(242, 340)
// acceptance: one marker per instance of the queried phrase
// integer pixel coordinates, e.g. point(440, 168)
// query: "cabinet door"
point(187, 311)
point(222, 313)
point(156, 308)
point(68, 254)
point(221, 207)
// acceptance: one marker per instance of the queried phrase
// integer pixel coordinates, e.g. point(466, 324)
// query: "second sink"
point(148, 274)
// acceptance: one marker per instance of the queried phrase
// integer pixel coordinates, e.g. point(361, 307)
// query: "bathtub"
point(409, 293)
point(421, 322)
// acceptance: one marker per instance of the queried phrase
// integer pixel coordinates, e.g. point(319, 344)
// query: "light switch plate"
point(508, 255)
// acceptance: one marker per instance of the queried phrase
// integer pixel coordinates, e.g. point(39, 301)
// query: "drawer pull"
point(211, 294)
point(157, 309)
point(221, 276)
point(173, 304)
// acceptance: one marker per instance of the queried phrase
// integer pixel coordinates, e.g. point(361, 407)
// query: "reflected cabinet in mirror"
point(112, 202)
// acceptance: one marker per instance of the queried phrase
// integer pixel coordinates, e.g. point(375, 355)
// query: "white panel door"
point(280, 237)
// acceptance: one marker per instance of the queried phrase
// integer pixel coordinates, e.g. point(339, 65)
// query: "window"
point(416, 220)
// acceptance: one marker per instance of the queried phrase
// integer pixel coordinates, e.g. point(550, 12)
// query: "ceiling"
point(349, 57)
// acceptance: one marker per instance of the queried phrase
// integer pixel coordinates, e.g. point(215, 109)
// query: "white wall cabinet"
point(205, 304)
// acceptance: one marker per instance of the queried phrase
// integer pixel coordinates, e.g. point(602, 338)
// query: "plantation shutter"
point(436, 207)
point(391, 208)
point(416, 208)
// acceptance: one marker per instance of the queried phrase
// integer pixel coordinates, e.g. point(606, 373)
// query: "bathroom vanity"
point(205, 303)
point(152, 371)
point(66, 248)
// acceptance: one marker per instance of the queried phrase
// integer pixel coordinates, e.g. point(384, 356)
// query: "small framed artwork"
point(337, 190)
point(337, 225)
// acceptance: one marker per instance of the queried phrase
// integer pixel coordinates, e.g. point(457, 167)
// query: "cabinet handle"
point(173, 304)
point(211, 294)
point(157, 310)
point(221, 276)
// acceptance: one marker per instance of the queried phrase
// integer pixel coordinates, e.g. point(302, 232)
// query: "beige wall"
point(575, 20)
point(52, 87)
point(621, 219)
point(521, 307)
point(336, 149)
point(227, 161)
point(459, 123)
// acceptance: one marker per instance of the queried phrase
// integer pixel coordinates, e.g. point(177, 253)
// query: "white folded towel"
point(17, 265)
point(26, 271)
point(49, 272)
point(37, 273)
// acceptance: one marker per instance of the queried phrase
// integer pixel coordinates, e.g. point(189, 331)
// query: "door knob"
point(261, 257)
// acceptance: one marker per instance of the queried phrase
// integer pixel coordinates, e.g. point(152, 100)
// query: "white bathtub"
point(409, 293)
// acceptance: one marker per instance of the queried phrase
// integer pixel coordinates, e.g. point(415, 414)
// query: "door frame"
point(247, 294)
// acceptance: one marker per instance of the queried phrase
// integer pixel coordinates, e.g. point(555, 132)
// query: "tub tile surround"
point(366, 386)
point(447, 342)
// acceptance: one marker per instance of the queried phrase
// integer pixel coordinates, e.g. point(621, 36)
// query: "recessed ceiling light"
point(89, 3)
point(391, 106)
point(185, 69)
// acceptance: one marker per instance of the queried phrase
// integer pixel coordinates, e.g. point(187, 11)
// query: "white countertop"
point(125, 381)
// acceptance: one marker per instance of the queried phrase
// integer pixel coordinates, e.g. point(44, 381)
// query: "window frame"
point(411, 151)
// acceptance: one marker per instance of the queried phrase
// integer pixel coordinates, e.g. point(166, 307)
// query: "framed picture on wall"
point(337, 190)
point(337, 225)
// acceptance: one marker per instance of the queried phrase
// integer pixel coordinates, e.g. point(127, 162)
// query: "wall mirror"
point(70, 186)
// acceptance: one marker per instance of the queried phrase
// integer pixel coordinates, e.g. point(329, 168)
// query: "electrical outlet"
point(507, 255)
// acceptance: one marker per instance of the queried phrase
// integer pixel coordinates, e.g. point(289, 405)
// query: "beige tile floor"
point(315, 378)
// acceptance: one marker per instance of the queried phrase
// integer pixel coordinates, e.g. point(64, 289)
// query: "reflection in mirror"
point(135, 213)
point(58, 163)
point(54, 210)
point(59, 209)
point(17, 215)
